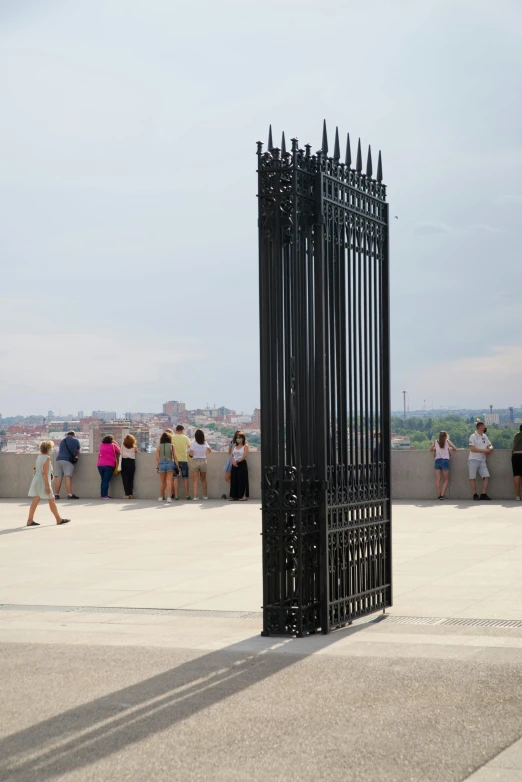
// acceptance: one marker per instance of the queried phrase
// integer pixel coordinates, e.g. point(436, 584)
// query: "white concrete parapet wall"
point(16, 473)
point(412, 476)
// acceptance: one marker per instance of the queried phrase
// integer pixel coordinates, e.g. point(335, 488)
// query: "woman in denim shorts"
point(166, 465)
point(442, 447)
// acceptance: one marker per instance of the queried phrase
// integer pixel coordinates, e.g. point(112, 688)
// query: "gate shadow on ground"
point(99, 728)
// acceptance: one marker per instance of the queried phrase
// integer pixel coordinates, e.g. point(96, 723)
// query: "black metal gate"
point(325, 397)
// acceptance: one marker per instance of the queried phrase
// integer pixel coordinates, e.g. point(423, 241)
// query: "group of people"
point(172, 460)
point(174, 454)
point(175, 450)
point(480, 448)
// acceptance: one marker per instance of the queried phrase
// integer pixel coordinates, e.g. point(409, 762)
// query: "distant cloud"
point(495, 377)
point(427, 229)
point(442, 229)
point(509, 198)
point(92, 362)
point(486, 228)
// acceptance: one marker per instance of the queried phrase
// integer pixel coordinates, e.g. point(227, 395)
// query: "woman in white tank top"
point(239, 489)
point(442, 448)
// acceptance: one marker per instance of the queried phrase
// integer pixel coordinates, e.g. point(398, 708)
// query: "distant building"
point(63, 426)
point(491, 418)
point(104, 415)
point(80, 413)
point(256, 418)
point(239, 419)
point(219, 412)
point(399, 443)
point(89, 423)
point(142, 434)
point(119, 429)
point(174, 409)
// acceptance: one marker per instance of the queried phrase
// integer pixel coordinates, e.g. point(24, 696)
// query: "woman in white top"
point(239, 489)
point(198, 465)
point(442, 447)
point(129, 449)
point(40, 488)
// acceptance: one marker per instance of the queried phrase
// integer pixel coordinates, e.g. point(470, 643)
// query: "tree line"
point(423, 431)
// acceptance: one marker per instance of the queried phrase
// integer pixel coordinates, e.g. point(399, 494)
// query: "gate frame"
point(296, 474)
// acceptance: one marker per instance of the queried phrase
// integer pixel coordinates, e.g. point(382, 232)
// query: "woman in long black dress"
point(239, 478)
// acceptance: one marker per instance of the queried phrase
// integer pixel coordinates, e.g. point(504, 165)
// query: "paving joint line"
point(434, 621)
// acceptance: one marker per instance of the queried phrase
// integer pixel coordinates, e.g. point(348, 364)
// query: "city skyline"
point(185, 412)
point(116, 413)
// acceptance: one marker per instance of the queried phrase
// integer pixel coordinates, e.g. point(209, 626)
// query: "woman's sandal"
point(33, 524)
point(63, 521)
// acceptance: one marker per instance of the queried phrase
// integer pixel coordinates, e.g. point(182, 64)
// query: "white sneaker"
point(160, 499)
point(205, 498)
point(169, 499)
point(196, 499)
point(517, 499)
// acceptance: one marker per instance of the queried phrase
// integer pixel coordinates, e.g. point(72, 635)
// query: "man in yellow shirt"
point(181, 443)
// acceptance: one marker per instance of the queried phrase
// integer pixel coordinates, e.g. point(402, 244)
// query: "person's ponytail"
point(443, 436)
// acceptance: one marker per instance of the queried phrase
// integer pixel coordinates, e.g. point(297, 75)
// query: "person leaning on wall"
point(108, 456)
point(129, 449)
point(479, 449)
point(442, 448)
point(68, 454)
point(516, 462)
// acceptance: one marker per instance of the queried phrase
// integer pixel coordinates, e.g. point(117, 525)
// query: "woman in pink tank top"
point(442, 448)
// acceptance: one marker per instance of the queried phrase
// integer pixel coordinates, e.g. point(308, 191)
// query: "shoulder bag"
point(117, 462)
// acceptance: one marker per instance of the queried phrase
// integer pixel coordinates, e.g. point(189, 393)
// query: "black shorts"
point(516, 463)
point(183, 467)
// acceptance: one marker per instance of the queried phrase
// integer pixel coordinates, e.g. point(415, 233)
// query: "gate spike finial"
point(379, 168)
point(283, 145)
point(337, 149)
point(369, 167)
point(270, 142)
point(324, 146)
point(348, 160)
point(358, 165)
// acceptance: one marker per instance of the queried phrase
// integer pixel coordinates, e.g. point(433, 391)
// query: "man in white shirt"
point(479, 449)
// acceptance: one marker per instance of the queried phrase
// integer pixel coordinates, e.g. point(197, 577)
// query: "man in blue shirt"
point(65, 461)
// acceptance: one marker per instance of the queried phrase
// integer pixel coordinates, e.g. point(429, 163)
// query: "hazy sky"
point(128, 231)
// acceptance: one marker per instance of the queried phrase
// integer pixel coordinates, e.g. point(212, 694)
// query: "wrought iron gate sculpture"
point(325, 397)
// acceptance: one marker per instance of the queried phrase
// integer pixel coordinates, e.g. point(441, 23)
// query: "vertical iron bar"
point(264, 308)
point(366, 397)
point(386, 391)
point(320, 392)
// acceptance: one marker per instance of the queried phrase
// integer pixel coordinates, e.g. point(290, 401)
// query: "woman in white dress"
point(41, 488)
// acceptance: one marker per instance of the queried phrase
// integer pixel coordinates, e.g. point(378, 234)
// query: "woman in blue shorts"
point(166, 465)
point(442, 447)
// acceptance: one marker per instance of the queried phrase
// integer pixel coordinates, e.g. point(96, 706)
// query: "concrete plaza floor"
point(130, 641)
